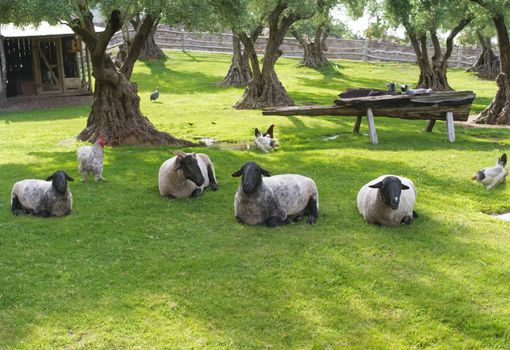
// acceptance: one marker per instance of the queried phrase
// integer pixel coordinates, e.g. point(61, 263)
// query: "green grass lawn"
point(131, 270)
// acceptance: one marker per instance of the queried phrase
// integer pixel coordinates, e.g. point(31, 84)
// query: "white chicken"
point(491, 177)
point(90, 160)
point(265, 141)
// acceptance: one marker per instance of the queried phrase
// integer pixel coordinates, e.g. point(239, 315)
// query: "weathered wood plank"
point(371, 127)
point(450, 128)
point(460, 113)
point(449, 98)
point(430, 125)
point(357, 125)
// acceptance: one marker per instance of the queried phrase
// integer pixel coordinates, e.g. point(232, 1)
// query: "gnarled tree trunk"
point(115, 112)
point(498, 112)
point(433, 71)
point(487, 64)
point(265, 89)
point(150, 50)
point(239, 73)
point(313, 51)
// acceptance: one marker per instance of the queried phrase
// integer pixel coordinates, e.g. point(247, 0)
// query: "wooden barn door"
point(48, 65)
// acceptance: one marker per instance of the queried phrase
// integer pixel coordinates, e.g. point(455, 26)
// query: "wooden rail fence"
point(353, 49)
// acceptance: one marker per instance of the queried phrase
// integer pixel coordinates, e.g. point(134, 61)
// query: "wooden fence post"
point(459, 56)
point(182, 40)
point(365, 50)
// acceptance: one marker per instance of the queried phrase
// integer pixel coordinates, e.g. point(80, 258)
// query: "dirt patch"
point(470, 124)
point(24, 104)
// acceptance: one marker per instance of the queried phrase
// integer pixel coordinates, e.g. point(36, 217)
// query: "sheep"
point(493, 176)
point(404, 88)
point(43, 198)
point(275, 200)
point(364, 92)
point(265, 142)
point(388, 201)
point(186, 175)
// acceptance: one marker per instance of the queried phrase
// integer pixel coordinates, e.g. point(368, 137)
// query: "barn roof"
point(43, 29)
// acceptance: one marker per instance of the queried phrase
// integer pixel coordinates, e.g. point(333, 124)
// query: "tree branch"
point(136, 45)
point(454, 32)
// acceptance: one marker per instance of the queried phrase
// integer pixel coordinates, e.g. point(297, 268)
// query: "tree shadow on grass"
point(188, 269)
point(45, 114)
point(173, 81)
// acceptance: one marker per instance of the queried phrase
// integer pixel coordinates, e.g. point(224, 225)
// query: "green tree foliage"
point(422, 21)
point(115, 113)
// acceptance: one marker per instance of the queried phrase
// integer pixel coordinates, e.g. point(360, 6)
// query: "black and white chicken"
point(491, 177)
point(265, 141)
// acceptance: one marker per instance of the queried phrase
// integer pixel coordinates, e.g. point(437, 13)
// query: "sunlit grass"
point(130, 270)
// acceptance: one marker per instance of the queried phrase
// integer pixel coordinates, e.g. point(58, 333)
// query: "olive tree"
point(498, 112)
point(422, 21)
point(115, 111)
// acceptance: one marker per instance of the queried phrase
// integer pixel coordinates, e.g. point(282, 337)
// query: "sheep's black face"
point(191, 170)
point(59, 181)
point(390, 190)
point(251, 174)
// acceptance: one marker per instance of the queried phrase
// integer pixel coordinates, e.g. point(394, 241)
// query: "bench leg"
point(450, 127)
point(430, 125)
point(371, 127)
point(357, 125)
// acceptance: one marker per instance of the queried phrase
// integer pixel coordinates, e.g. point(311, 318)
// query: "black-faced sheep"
point(491, 177)
point(43, 198)
point(186, 175)
point(265, 141)
point(388, 200)
point(364, 92)
point(275, 200)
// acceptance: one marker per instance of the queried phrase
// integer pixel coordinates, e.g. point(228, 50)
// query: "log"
point(460, 113)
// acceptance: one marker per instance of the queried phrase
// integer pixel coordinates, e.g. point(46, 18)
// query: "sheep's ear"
point(69, 178)
point(257, 132)
point(265, 172)
point(51, 177)
point(387, 84)
point(377, 185)
point(238, 173)
point(404, 187)
point(180, 154)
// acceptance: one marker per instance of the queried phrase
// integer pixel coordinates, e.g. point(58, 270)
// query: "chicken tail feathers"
point(502, 160)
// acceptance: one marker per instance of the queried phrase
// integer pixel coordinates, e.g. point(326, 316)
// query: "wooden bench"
point(449, 106)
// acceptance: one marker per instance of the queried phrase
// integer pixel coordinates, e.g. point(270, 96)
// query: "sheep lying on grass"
point(186, 175)
point(43, 198)
point(388, 200)
point(276, 200)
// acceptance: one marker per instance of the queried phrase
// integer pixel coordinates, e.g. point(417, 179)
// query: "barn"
point(42, 61)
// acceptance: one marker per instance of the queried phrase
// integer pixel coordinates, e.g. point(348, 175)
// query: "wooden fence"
point(365, 50)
